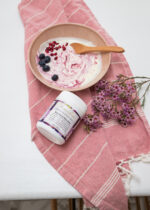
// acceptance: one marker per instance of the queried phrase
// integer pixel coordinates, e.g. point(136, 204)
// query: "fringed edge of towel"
point(124, 167)
point(89, 208)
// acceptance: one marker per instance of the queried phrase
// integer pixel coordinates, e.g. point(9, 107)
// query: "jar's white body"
point(62, 117)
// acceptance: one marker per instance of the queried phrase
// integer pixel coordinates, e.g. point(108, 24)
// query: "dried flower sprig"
point(116, 100)
point(92, 122)
point(138, 85)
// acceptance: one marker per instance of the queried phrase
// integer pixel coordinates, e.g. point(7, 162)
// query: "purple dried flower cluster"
point(92, 122)
point(113, 100)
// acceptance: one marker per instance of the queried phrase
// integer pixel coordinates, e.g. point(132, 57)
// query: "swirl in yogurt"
point(73, 70)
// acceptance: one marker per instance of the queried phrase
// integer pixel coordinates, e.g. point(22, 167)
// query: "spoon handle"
point(105, 49)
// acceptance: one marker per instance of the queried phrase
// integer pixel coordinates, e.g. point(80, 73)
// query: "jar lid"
point(74, 101)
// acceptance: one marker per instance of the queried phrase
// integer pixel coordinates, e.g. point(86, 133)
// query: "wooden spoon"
point(80, 48)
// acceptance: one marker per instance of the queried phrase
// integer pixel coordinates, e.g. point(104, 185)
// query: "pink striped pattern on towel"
point(96, 154)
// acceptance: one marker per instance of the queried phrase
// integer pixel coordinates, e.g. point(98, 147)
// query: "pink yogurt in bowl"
point(66, 69)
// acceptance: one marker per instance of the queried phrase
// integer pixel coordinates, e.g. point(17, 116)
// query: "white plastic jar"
point(62, 117)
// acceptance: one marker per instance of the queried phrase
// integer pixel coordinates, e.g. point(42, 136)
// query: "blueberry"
point(46, 68)
point(42, 63)
point(41, 56)
point(55, 77)
point(47, 59)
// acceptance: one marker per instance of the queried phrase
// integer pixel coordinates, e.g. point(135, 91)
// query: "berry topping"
point(64, 48)
point(52, 54)
point(55, 77)
point(46, 68)
point(42, 63)
point(47, 50)
point(47, 59)
point(41, 56)
point(56, 58)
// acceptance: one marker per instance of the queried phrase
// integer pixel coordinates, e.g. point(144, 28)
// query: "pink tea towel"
point(102, 157)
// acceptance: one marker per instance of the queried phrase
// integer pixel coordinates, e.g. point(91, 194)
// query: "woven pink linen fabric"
point(89, 162)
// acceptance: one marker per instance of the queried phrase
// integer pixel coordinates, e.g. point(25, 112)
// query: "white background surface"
point(24, 173)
